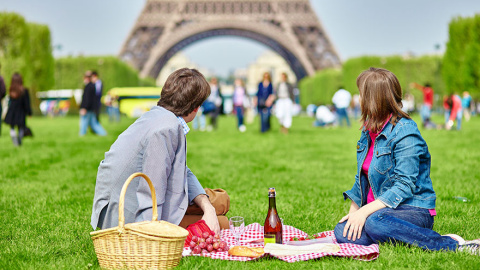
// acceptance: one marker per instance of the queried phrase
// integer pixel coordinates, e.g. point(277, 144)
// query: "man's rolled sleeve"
point(194, 186)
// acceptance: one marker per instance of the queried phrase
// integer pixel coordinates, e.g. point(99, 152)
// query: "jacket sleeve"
point(406, 154)
point(88, 97)
point(157, 165)
point(354, 193)
point(26, 103)
point(194, 186)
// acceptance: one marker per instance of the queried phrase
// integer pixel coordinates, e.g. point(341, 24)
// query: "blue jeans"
point(264, 119)
point(342, 113)
point(239, 113)
point(90, 120)
point(406, 224)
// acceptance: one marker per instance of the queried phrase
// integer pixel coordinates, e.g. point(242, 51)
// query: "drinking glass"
point(237, 226)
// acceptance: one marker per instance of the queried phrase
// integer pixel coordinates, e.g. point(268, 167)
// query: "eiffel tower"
point(289, 27)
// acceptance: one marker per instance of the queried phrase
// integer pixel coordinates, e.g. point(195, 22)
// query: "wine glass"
point(237, 226)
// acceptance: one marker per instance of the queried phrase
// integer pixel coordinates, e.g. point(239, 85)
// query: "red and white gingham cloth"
point(255, 232)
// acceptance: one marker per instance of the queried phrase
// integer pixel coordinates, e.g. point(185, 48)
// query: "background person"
point(284, 103)
point(466, 105)
point(324, 117)
point(98, 94)
point(18, 109)
point(240, 99)
point(264, 100)
point(426, 110)
point(341, 99)
point(216, 99)
point(453, 111)
point(392, 156)
point(87, 109)
point(155, 144)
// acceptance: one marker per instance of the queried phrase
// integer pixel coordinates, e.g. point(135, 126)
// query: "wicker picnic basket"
point(140, 245)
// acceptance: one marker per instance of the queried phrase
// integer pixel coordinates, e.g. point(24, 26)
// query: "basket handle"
point(121, 215)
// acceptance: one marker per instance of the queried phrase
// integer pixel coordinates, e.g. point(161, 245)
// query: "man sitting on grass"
point(156, 146)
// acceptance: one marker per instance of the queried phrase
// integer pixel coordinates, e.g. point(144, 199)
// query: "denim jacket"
point(400, 169)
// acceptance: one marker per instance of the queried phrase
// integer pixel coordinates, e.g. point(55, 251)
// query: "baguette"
point(243, 251)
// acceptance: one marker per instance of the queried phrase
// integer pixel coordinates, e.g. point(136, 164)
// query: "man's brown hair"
point(184, 91)
point(380, 96)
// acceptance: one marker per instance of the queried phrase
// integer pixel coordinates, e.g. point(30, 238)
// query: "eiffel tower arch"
point(289, 27)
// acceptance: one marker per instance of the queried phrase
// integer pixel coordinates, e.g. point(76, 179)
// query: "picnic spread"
point(253, 238)
point(158, 244)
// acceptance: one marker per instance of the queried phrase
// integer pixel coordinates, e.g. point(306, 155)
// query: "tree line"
point(26, 47)
point(456, 71)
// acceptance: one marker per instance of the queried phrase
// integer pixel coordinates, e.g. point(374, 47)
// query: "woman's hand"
point(356, 218)
point(355, 223)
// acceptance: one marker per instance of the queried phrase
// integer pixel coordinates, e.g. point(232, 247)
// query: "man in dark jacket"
point(87, 108)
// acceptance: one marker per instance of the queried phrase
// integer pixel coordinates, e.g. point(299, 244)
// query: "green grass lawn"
point(47, 186)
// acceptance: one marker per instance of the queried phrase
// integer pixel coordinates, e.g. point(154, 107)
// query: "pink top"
point(368, 160)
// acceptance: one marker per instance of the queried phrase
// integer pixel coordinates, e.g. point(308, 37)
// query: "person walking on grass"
point(216, 101)
point(87, 108)
point(264, 101)
point(18, 109)
point(98, 94)
point(284, 103)
point(156, 145)
point(240, 100)
point(392, 198)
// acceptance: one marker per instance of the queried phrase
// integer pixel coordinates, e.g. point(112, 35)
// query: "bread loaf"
point(243, 251)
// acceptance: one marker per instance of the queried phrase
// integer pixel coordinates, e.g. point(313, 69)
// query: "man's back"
point(155, 145)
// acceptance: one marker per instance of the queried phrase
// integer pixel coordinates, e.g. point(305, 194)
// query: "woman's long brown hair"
point(16, 87)
point(380, 96)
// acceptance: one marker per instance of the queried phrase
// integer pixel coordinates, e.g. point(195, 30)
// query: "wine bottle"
point(272, 229)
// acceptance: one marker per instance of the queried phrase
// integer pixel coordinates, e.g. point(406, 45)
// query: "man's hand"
point(210, 217)
point(83, 111)
point(209, 214)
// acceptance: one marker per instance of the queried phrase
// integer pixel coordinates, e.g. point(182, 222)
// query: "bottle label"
point(268, 238)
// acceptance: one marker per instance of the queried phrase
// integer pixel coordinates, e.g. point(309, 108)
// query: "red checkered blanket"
point(254, 232)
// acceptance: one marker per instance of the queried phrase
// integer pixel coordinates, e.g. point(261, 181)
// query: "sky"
point(367, 27)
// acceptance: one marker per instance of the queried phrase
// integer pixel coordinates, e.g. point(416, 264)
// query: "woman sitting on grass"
point(392, 197)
